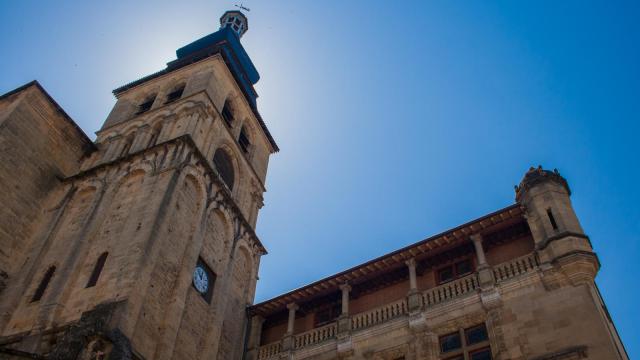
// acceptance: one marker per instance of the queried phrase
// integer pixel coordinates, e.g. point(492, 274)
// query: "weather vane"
point(242, 7)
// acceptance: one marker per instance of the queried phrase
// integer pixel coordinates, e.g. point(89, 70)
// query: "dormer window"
point(243, 140)
point(227, 114)
point(175, 94)
point(146, 105)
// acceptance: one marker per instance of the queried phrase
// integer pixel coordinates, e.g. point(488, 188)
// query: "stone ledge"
point(577, 352)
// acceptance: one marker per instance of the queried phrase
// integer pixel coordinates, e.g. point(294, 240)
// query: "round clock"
point(200, 280)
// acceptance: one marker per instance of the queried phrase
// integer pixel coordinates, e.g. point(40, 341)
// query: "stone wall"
point(40, 145)
point(155, 214)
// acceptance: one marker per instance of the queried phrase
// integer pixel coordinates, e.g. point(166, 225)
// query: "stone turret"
point(559, 238)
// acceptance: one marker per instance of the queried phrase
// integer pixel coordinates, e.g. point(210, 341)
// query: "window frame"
point(334, 310)
point(227, 113)
point(453, 266)
point(172, 97)
point(465, 350)
point(147, 105)
point(244, 140)
point(225, 176)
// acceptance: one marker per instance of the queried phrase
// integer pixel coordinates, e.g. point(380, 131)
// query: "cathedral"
point(142, 244)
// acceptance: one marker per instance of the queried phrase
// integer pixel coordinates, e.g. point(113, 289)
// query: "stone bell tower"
point(558, 236)
point(149, 250)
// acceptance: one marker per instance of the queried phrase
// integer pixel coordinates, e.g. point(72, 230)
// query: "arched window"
point(97, 269)
point(43, 284)
point(224, 166)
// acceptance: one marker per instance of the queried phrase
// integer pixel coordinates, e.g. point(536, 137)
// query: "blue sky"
point(396, 120)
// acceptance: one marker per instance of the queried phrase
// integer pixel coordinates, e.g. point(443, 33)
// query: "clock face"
point(200, 280)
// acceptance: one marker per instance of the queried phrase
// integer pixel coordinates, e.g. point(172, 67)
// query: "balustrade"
point(439, 294)
point(316, 336)
point(379, 315)
point(450, 290)
point(515, 267)
point(269, 351)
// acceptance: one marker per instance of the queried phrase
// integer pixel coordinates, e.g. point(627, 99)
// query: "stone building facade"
point(514, 284)
point(141, 244)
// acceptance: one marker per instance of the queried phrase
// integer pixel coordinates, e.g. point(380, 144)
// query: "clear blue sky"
point(397, 120)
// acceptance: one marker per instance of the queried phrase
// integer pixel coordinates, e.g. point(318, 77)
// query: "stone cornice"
point(199, 105)
point(560, 236)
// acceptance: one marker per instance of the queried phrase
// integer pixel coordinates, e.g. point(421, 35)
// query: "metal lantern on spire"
point(236, 21)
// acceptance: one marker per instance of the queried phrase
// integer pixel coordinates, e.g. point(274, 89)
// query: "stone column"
point(142, 138)
point(344, 320)
point(344, 345)
point(477, 243)
point(113, 148)
point(413, 282)
point(485, 274)
point(413, 297)
point(287, 341)
point(345, 288)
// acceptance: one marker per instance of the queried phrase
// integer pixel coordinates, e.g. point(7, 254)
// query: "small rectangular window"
point(450, 342)
point(445, 274)
point(552, 219)
point(243, 140)
point(476, 334)
point(227, 114)
point(464, 267)
point(327, 315)
point(454, 271)
point(175, 95)
point(146, 106)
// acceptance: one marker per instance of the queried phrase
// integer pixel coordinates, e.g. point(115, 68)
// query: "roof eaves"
point(388, 255)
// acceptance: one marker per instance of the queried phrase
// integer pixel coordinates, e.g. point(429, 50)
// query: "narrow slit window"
point(97, 269)
point(227, 113)
point(43, 284)
point(244, 142)
point(552, 219)
point(223, 164)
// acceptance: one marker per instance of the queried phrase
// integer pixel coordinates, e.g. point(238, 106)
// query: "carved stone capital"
point(491, 298)
point(414, 301)
point(418, 322)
